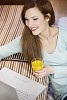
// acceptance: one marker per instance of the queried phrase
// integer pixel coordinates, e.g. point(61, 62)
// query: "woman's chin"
point(35, 33)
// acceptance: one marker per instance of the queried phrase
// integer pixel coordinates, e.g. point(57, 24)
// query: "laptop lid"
point(14, 79)
point(10, 93)
point(7, 92)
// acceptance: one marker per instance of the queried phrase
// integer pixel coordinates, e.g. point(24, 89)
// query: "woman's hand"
point(44, 72)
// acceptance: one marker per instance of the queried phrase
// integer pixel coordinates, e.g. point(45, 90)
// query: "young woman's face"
point(35, 21)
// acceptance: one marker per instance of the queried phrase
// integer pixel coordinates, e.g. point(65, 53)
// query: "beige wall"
point(60, 8)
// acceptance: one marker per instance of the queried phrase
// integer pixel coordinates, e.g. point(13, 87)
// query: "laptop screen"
point(7, 92)
point(10, 93)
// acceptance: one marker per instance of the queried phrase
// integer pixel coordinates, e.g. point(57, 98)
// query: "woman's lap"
point(57, 95)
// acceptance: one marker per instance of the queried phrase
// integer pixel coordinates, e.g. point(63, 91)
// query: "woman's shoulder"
point(62, 24)
point(63, 31)
point(60, 31)
point(63, 34)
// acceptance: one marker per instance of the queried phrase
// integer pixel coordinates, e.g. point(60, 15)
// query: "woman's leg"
point(50, 92)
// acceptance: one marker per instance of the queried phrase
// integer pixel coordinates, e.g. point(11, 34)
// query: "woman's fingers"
point(41, 71)
point(39, 74)
point(44, 72)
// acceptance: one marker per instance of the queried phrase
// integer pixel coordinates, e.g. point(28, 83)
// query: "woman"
point(40, 39)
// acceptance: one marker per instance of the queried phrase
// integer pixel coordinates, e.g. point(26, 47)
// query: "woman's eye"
point(35, 19)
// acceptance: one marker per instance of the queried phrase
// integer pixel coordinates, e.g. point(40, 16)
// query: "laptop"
point(10, 93)
point(21, 87)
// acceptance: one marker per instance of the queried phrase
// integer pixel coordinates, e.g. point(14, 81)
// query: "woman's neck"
point(51, 32)
point(45, 34)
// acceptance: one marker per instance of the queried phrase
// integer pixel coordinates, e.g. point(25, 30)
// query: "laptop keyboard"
point(22, 95)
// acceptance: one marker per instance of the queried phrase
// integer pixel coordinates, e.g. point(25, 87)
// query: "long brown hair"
point(31, 44)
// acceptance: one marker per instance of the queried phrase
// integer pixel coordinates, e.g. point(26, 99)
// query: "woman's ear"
point(48, 17)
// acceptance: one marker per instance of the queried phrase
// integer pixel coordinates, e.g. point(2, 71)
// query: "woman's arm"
point(56, 71)
point(44, 72)
point(11, 48)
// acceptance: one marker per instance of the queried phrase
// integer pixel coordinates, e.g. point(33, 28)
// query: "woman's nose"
point(30, 24)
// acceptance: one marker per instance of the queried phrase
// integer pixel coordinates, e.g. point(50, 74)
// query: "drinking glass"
point(37, 64)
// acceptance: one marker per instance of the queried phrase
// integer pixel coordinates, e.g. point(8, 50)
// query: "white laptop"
point(22, 87)
point(8, 92)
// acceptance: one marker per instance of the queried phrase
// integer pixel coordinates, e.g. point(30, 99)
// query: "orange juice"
point(37, 64)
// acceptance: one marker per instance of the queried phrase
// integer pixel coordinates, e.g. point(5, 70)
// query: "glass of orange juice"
point(37, 64)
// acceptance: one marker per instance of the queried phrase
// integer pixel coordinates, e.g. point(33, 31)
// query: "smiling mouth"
point(34, 29)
